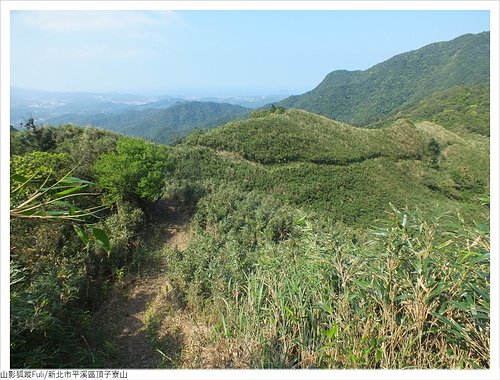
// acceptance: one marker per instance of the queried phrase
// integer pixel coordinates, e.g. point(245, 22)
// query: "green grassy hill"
point(346, 173)
point(302, 136)
point(363, 97)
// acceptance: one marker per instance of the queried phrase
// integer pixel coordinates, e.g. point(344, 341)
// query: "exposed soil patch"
point(134, 349)
point(173, 223)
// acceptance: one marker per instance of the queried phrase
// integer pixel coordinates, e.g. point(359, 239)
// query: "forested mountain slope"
point(363, 97)
point(162, 125)
point(459, 109)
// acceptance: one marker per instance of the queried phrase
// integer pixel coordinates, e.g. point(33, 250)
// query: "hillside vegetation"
point(165, 125)
point(268, 287)
point(459, 109)
point(364, 97)
point(333, 247)
point(348, 173)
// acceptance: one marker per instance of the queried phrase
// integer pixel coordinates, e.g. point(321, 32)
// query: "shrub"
point(135, 172)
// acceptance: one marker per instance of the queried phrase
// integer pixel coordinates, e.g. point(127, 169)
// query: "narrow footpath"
point(131, 310)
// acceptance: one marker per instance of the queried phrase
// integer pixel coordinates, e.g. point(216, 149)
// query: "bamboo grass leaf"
point(71, 190)
point(102, 239)
point(76, 180)
point(81, 234)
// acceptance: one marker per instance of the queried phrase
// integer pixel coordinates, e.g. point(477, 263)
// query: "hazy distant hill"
point(245, 101)
point(162, 125)
point(157, 104)
point(363, 97)
point(43, 105)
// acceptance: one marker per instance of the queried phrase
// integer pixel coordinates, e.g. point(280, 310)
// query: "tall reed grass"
point(413, 295)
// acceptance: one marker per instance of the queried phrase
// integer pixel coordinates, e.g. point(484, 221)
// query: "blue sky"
point(210, 53)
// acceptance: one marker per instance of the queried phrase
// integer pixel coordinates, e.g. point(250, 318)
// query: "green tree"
point(135, 172)
point(434, 152)
point(36, 137)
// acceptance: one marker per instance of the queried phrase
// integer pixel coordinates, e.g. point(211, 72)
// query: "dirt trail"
point(173, 225)
point(132, 309)
point(133, 347)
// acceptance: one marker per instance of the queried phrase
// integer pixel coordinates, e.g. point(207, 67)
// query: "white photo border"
point(490, 5)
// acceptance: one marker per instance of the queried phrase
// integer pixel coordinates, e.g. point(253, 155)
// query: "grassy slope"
point(275, 282)
point(346, 173)
point(363, 97)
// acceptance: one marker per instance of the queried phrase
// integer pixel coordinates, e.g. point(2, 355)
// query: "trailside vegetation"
point(272, 288)
point(313, 244)
point(134, 172)
point(72, 237)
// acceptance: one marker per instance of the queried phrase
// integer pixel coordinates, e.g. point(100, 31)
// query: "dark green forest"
point(459, 109)
point(300, 241)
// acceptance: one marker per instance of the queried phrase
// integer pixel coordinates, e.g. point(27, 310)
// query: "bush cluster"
point(61, 263)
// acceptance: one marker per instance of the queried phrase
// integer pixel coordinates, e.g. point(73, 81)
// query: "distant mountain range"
point(162, 120)
point(446, 82)
point(162, 125)
point(44, 106)
point(364, 97)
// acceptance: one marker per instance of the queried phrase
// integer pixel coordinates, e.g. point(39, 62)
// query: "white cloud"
point(92, 52)
point(93, 21)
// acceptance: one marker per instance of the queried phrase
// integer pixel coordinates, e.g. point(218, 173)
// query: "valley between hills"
point(347, 227)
